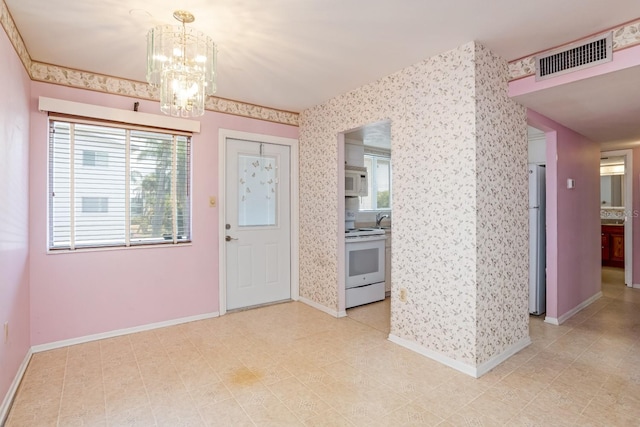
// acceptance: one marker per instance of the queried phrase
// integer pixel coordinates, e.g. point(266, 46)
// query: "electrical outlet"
point(212, 202)
point(6, 332)
point(403, 295)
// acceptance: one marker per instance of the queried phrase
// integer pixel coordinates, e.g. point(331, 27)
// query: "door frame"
point(223, 135)
point(628, 207)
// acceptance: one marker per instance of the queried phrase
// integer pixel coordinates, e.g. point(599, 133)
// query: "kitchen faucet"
point(379, 218)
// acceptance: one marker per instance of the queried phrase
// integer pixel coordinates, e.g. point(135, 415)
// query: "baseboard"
point(120, 332)
point(11, 393)
point(560, 320)
point(551, 320)
point(440, 358)
point(485, 367)
point(322, 308)
point(636, 286)
point(476, 371)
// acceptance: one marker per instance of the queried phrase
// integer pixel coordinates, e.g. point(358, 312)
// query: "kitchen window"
point(379, 175)
point(117, 186)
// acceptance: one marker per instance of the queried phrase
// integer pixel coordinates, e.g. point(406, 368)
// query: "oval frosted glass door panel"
point(257, 190)
point(258, 242)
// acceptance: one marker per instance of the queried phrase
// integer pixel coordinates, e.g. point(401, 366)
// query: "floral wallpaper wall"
point(502, 214)
point(441, 171)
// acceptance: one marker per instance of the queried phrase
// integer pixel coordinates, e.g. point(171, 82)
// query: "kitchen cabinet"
point(612, 245)
point(387, 264)
point(354, 154)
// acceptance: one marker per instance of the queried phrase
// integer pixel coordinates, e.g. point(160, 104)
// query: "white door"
point(257, 215)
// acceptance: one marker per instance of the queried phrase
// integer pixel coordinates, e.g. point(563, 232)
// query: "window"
point(115, 186)
point(92, 158)
point(379, 175)
point(95, 204)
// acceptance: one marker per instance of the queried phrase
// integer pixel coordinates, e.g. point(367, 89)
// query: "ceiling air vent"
point(575, 57)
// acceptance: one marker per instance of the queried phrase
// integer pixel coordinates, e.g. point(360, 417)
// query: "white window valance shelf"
point(80, 109)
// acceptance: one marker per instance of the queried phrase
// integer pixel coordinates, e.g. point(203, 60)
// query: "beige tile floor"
point(291, 365)
point(376, 315)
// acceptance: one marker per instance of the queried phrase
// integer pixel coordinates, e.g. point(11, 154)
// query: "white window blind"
point(115, 186)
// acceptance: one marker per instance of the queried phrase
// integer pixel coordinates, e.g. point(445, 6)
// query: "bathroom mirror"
point(612, 182)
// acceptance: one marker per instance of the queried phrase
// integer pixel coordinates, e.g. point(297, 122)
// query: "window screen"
point(113, 186)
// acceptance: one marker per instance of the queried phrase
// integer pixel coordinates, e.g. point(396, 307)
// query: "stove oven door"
point(364, 260)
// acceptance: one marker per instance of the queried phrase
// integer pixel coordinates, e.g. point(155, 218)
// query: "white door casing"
point(258, 220)
point(629, 213)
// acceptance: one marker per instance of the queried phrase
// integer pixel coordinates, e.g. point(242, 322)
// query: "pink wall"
point(622, 59)
point(14, 214)
point(79, 294)
point(573, 217)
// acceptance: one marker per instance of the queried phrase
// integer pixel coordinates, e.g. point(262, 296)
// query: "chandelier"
point(181, 62)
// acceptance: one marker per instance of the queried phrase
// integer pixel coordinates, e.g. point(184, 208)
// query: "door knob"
point(229, 238)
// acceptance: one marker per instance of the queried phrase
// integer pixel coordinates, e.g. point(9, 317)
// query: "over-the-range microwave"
point(355, 181)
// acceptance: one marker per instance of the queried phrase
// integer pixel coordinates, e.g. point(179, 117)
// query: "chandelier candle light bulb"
point(181, 62)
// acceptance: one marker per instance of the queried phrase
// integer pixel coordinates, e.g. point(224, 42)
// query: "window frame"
point(178, 237)
point(373, 185)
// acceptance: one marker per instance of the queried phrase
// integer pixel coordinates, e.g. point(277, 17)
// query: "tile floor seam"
point(104, 388)
point(593, 397)
point(528, 403)
point(146, 391)
point(64, 378)
point(287, 406)
point(184, 383)
point(245, 411)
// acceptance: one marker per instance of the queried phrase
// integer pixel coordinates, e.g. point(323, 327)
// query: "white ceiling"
point(605, 108)
point(293, 54)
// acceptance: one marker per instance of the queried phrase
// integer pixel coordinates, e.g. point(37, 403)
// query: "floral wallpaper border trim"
point(624, 36)
point(14, 36)
point(85, 80)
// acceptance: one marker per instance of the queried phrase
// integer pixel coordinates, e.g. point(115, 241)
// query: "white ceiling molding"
point(624, 36)
point(79, 109)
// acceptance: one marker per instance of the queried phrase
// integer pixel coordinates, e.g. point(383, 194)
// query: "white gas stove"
point(364, 266)
point(360, 232)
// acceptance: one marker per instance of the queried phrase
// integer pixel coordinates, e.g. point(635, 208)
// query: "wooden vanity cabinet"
point(612, 239)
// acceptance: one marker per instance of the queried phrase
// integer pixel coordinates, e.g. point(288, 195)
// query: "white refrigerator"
point(537, 240)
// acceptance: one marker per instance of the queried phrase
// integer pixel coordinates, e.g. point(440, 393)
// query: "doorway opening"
point(365, 285)
point(616, 211)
